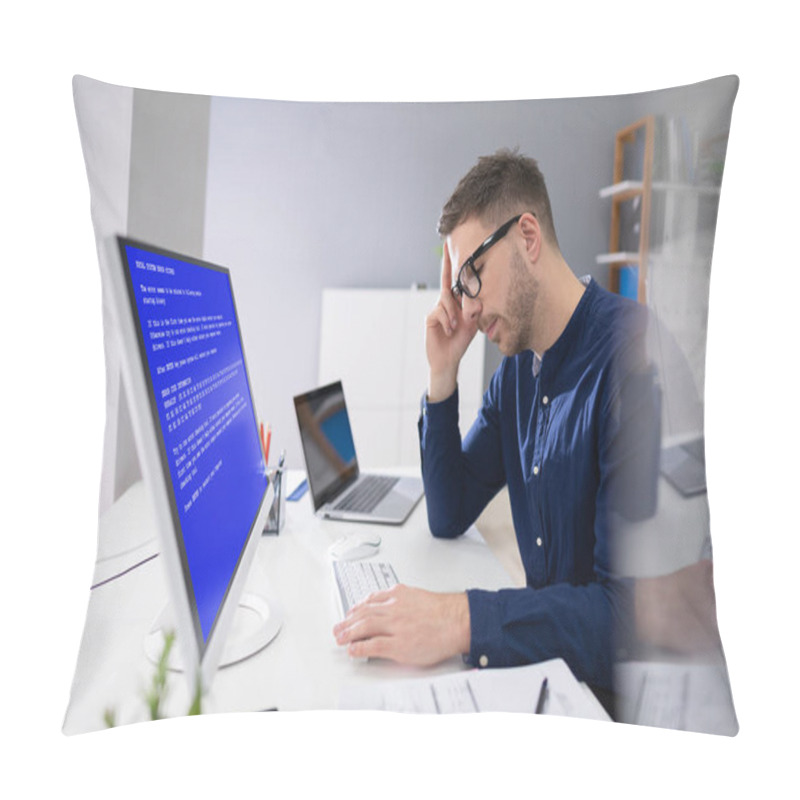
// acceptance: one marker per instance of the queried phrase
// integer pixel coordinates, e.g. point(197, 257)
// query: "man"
point(562, 424)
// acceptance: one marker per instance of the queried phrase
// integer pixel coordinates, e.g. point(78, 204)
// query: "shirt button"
point(484, 661)
point(536, 470)
point(539, 541)
point(545, 400)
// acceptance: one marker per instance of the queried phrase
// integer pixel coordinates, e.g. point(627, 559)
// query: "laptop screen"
point(328, 446)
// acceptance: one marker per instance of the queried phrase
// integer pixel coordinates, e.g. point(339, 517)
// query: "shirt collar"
point(537, 359)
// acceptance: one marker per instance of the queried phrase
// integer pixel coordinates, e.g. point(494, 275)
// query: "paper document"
point(513, 689)
point(688, 697)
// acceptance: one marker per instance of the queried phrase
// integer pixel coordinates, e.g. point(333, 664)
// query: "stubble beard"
point(522, 298)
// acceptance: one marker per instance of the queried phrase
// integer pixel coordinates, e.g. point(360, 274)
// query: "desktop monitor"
point(196, 431)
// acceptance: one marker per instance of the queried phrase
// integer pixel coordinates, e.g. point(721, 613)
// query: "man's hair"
point(495, 189)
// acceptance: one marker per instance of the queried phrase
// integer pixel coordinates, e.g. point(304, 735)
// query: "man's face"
point(505, 307)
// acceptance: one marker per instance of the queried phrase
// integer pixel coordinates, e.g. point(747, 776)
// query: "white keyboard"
point(357, 580)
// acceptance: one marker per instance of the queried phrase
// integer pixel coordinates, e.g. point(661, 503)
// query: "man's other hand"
point(407, 625)
point(448, 333)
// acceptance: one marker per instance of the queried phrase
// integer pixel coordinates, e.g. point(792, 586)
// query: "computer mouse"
point(357, 545)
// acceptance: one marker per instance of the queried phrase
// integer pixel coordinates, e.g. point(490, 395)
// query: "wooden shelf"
point(618, 258)
point(692, 188)
point(628, 189)
point(632, 188)
point(622, 191)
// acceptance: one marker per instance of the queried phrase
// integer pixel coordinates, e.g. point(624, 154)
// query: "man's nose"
point(471, 307)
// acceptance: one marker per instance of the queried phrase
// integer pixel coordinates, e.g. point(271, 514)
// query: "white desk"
point(303, 668)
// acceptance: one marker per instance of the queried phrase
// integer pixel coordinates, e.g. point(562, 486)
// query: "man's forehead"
point(466, 238)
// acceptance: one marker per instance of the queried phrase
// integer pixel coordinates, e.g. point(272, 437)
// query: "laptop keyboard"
point(367, 494)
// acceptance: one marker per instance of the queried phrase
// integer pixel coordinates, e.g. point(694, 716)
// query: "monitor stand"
point(255, 624)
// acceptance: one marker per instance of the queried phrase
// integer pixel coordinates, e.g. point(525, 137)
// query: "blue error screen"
point(207, 423)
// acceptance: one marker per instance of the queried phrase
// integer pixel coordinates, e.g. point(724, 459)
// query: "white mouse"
point(358, 545)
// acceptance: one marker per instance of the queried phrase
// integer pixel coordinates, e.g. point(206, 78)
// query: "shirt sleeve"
point(460, 478)
point(512, 627)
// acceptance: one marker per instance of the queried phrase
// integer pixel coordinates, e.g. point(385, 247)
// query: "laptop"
point(339, 490)
point(684, 466)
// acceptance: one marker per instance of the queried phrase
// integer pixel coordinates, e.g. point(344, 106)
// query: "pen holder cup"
point(276, 518)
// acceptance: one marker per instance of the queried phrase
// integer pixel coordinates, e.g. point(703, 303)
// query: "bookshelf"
point(664, 201)
point(665, 180)
point(631, 197)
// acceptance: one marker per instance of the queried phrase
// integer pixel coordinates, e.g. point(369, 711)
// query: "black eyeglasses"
point(469, 282)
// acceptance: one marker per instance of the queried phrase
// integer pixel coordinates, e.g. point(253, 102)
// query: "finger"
point(380, 595)
point(372, 606)
point(363, 628)
point(447, 266)
point(358, 613)
point(452, 307)
point(450, 304)
point(345, 634)
point(377, 647)
point(441, 317)
point(384, 595)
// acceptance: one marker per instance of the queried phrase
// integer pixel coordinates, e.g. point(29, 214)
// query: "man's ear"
point(532, 233)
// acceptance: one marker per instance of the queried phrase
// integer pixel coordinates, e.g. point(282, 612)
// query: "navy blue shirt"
point(564, 442)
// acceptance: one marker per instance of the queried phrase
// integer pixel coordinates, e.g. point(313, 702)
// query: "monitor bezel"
point(201, 657)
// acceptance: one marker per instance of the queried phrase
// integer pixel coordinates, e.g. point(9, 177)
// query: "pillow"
point(299, 198)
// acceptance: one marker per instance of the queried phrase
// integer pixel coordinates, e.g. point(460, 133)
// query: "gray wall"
point(296, 197)
point(105, 118)
point(169, 157)
point(305, 196)
point(165, 204)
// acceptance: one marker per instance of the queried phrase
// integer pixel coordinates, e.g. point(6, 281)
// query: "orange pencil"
point(266, 446)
